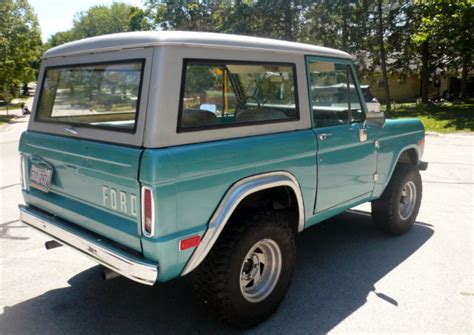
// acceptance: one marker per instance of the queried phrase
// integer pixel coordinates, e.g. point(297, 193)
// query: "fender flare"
point(238, 192)
point(395, 161)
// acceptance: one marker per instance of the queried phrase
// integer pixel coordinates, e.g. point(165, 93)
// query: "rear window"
point(102, 95)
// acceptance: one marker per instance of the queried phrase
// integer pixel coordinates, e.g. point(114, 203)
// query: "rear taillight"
point(148, 211)
point(22, 172)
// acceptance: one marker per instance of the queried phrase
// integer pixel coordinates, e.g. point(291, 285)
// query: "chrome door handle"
point(323, 137)
point(71, 130)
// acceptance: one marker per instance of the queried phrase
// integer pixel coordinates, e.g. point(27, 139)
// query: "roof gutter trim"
point(186, 44)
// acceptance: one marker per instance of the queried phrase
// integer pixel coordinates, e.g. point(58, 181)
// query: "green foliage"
point(186, 15)
point(392, 36)
point(20, 46)
point(101, 20)
point(441, 37)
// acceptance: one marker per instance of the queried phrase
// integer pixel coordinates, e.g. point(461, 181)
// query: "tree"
point(458, 25)
point(59, 38)
point(139, 20)
point(20, 45)
point(185, 15)
point(237, 17)
point(101, 20)
point(443, 38)
point(280, 19)
point(383, 54)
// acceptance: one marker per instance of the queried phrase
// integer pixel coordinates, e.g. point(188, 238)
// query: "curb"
point(460, 134)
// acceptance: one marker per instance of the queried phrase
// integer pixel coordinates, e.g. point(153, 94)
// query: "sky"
point(57, 15)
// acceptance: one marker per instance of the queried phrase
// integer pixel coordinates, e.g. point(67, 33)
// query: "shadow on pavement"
point(339, 262)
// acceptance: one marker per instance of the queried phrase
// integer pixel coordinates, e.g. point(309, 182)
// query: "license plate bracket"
point(40, 177)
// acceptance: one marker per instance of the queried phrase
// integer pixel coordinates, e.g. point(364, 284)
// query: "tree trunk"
point(344, 28)
point(465, 70)
point(425, 72)
point(289, 23)
point(383, 58)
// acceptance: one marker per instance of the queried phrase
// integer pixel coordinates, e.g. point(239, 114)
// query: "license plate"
point(40, 177)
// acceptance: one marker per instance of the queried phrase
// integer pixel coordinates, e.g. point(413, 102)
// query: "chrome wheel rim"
point(407, 200)
point(260, 270)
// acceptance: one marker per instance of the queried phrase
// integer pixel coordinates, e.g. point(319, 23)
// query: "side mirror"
point(209, 107)
point(375, 118)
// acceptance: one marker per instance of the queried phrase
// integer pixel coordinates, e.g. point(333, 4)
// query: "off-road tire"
point(217, 280)
point(386, 210)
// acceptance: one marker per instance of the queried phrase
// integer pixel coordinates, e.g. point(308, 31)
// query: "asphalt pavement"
point(348, 279)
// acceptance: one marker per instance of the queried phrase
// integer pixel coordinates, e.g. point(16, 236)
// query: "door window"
point(334, 97)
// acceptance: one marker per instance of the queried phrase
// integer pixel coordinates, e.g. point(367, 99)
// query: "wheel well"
point(281, 198)
point(409, 156)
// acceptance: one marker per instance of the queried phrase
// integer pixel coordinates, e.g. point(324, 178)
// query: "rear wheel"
point(247, 273)
point(396, 211)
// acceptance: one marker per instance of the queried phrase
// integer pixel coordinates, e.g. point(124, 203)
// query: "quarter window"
point(220, 94)
point(334, 97)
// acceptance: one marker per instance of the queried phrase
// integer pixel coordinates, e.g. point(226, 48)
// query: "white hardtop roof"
point(185, 38)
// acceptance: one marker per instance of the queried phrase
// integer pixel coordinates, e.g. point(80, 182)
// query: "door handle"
point(71, 130)
point(324, 136)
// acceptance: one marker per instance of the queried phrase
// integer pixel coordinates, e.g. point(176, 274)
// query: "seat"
point(256, 114)
point(193, 117)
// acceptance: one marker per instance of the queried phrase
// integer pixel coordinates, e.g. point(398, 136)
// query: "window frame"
point(349, 69)
point(133, 131)
point(224, 62)
point(355, 80)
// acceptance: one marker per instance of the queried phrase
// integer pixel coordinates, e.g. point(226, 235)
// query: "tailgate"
point(93, 185)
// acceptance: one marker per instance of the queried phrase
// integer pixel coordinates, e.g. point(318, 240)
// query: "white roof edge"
point(133, 40)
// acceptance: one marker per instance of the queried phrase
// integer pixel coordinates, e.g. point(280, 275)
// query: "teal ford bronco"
point(160, 154)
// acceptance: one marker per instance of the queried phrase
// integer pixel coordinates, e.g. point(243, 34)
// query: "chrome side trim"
point(127, 265)
point(231, 200)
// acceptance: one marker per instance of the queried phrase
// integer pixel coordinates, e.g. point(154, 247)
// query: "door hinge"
point(377, 144)
point(376, 177)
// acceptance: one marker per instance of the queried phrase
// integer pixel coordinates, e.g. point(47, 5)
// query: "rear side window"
point(102, 95)
point(218, 94)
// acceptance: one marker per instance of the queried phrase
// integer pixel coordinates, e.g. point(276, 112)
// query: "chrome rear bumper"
point(128, 265)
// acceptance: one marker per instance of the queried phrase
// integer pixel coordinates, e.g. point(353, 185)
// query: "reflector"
point(189, 242)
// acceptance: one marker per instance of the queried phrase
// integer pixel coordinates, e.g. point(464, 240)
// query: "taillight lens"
point(148, 212)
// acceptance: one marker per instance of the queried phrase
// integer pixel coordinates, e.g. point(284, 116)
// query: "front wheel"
point(396, 211)
point(247, 274)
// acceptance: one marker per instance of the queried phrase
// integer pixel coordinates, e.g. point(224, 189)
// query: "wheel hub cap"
point(407, 200)
point(260, 270)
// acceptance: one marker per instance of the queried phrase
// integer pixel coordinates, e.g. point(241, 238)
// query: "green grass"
point(10, 107)
point(21, 100)
point(441, 118)
point(5, 119)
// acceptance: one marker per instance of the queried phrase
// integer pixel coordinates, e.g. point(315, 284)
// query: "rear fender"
point(234, 196)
